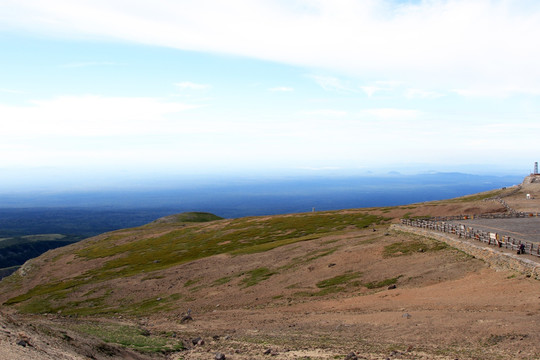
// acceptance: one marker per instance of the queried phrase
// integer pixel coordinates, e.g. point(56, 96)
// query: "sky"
point(102, 89)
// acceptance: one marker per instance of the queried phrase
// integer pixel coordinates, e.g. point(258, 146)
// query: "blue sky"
point(115, 88)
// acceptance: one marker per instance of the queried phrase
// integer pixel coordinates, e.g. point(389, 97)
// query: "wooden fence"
point(464, 231)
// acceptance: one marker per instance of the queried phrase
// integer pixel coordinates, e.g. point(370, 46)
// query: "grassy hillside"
point(167, 243)
point(313, 285)
point(81, 278)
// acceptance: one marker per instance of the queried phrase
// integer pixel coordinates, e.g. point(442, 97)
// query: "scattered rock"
point(23, 343)
point(186, 318)
point(267, 352)
point(216, 337)
point(331, 265)
point(393, 286)
point(219, 356)
point(196, 340)
point(145, 332)
point(351, 356)
point(406, 315)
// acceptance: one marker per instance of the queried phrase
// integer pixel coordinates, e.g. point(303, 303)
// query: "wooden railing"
point(461, 230)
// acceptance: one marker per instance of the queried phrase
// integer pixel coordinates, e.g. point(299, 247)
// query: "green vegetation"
point(337, 280)
point(191, 282)
point(308, 257)
point(189, 217)
point(96, 305)
point(132, 337)
point(333, 285)
point(410, 247)
point(476, 197)
point(255, 276)
point(382, 283)
point(135, 251)
point(223, 280)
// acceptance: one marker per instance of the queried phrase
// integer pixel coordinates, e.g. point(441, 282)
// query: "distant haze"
point(236, 197)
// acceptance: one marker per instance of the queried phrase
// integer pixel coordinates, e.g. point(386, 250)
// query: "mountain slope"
point(316, 284)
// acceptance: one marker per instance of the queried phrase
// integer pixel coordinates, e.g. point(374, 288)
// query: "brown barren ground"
point(317, 299)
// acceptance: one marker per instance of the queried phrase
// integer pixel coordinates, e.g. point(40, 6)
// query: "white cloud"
point(90, 115)
point(389, 113)
point(380, 86)
point(281, 89)
point(422, 94)
point(370, 90)
point(188, 85)
point(331, 83)
point(446, 44)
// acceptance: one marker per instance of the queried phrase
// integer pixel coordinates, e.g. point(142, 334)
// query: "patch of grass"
point(476, 197)
point(133, 251)
point(410, 247)
point(313, 255)
point(131, 337)
point(382, 283)
point(239, 236)
point(191, 282)
point(153, 277)
point(255, 276)
point(223, 280)
point(333, 285)
point(188, 217)
point(338, 280)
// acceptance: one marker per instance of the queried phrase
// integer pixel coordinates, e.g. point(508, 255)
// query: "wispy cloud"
point(188, 85)
point(370, 90)
point(91, 115)
point(422, 94)
point(331, 83)
point(448, 44)
point(389, 113)
point(281, 89)
point(380, 86)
